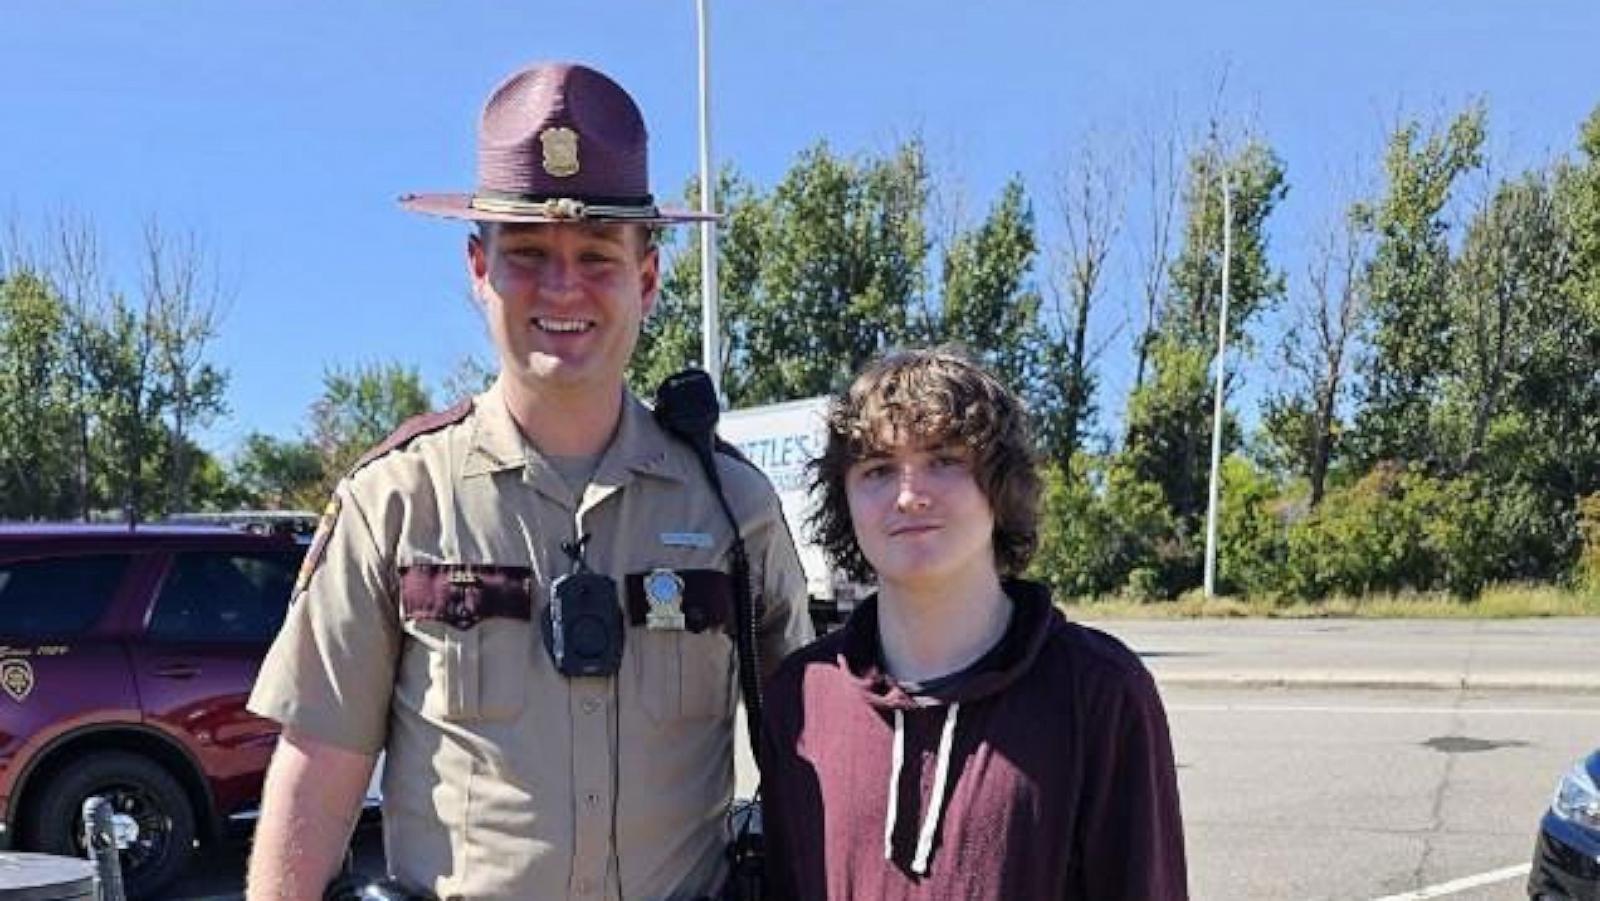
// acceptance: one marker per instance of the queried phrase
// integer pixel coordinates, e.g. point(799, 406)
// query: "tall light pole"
point(710, 349)
point(1222, 368)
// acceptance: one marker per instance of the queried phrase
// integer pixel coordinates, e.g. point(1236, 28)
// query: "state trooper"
point(526, 600)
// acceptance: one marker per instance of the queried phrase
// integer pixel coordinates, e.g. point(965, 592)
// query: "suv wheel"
point(154, 824)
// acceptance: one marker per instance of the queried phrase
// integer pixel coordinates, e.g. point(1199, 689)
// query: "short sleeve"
point(330, 671)
point(786, 616)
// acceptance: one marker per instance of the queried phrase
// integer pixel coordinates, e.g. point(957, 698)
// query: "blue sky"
point(282, 132)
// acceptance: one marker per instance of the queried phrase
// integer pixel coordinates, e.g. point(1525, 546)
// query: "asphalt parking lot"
point(1365, 761)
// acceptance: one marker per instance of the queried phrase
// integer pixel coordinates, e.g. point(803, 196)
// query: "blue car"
point(1566, 861)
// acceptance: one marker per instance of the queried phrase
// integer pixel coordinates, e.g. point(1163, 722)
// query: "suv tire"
point(143, 795)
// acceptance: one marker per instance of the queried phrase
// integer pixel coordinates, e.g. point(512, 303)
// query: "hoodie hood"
point(1033, 619)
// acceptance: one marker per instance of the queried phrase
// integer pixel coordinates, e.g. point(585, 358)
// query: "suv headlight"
point(1577, 799)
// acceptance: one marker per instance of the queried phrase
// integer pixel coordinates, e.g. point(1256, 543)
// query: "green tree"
point(1509, 272)
point(131, 379)
point(1163, 186)
point(36, 474)
point(359, 407)
point(1169, 416)
point(183, 301)
point(1089, 205)
point(278, 474)
point(815, 278)
point(1559, 387)
point(1301, 420)
point(1408, 286)
point(989, 304)
point(670, 339)
point(73, 266)
point(126, 403)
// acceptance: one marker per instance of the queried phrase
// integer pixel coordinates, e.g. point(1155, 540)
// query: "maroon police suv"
point(126, 657)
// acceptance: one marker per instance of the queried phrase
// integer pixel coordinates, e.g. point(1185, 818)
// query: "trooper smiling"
point(525, 600)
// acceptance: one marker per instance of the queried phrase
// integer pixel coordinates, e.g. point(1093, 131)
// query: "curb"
point(1459, 683)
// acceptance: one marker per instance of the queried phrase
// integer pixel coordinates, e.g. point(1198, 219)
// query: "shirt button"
point(585, 887)
point(591, 705)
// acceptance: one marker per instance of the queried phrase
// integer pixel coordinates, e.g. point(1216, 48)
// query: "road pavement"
point(1557, 654)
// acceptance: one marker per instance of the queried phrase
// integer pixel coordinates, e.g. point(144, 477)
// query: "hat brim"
point(459, 206)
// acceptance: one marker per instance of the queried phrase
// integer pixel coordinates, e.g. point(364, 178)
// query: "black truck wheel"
point(152, 817)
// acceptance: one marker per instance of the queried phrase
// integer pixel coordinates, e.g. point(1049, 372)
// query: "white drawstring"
point(935, 811)
point(930, 820)
point(894, 784)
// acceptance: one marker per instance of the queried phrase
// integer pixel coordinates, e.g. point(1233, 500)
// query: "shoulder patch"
point(319, 546)
point(413, 428)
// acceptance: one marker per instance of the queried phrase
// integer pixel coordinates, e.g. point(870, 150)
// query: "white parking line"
point(1461, 885)
point(1333, 708)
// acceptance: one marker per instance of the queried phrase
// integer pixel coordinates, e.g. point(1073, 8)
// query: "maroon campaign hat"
point(558, 142)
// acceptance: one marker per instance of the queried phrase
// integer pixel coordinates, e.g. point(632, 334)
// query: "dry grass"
point(1496, 602)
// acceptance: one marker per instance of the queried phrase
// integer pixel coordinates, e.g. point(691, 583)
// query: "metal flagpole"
point(710, 346)
point(1216, 416)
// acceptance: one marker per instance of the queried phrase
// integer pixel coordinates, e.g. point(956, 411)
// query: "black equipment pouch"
point(686, 406)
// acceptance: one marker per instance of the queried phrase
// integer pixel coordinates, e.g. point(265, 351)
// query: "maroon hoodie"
point(1044, 771)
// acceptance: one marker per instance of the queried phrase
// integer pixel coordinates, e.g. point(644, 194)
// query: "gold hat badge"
point(560, 151)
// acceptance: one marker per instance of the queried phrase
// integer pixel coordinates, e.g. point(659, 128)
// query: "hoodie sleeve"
point(1130, 836)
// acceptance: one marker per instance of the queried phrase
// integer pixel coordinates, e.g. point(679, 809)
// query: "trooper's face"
point(564, 301)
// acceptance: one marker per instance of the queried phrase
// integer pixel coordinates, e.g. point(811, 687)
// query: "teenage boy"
point(958, 738)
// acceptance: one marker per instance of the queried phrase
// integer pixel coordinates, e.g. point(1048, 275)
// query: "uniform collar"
point(639, 446)
point(497, 443)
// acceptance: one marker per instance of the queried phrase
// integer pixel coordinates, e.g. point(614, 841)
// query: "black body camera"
point(583, 625)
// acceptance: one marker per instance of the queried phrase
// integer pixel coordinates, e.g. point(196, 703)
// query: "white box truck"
point(781, 439)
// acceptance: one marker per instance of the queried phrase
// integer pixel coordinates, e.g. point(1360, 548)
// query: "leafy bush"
point(1397, 530)
point(1587, 572)
point(1100, 524)
point(1252, 536)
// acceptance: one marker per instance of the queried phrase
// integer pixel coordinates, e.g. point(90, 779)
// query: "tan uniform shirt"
point(503, 778)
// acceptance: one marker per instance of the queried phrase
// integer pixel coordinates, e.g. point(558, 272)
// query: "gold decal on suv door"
point(16, 677)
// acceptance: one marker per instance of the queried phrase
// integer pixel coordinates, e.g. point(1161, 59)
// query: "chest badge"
point(663, 588)
point(16, 677)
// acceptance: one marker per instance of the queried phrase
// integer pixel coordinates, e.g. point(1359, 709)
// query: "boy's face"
point(920, 517)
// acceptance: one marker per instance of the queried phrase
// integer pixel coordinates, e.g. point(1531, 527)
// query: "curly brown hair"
point(934, 398)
